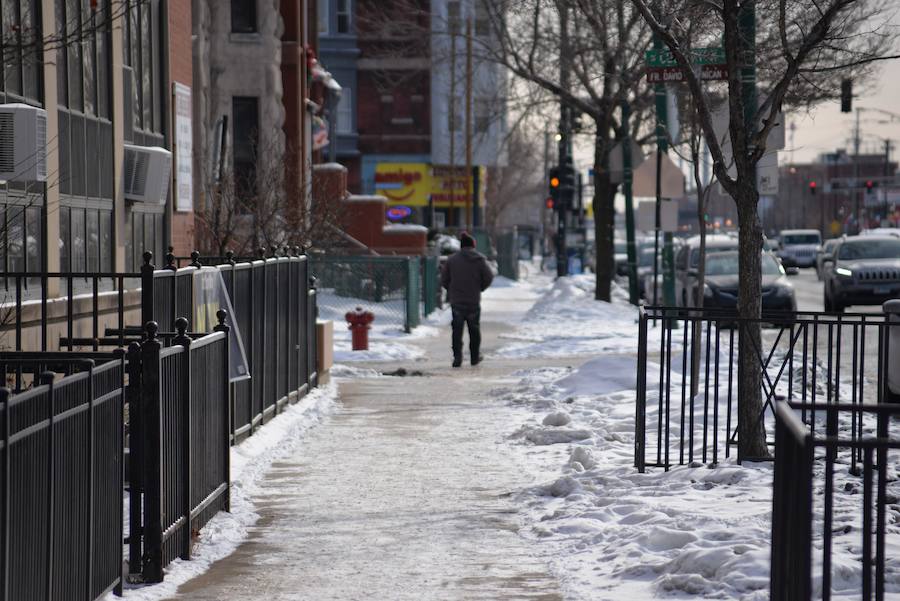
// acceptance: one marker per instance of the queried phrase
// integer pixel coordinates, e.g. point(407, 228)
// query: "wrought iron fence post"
point(184, 386)
point(312, 356)
point(222, 326)
point(46, 379)
point(640, 418)
point(4, 572)
point(892, 357)
point(135, 456)
point(147, 270)
point(152, 567)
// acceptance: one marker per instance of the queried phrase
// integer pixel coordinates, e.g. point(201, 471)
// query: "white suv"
point(797, 248)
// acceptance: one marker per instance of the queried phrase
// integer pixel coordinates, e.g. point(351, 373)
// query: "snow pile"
point(249, 461)
point(612, 533)
point(693, 532)
point(567, 320)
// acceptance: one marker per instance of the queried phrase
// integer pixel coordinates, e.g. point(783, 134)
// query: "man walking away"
point(465, 276)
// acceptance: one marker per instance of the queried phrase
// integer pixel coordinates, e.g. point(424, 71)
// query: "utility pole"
point(468, 180)
point(454, 124)
point(562, 259)
point(662, 147)
point(627, 179)
point(887, 173)
point(857, 192)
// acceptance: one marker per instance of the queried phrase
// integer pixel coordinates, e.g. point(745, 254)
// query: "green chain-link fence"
point(508, 254)
point(389, 287)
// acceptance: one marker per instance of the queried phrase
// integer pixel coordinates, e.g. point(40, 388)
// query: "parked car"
point(827, 248)
point(882, 231)
point(722, 279)
point(798, 247)
point(862, 270)
point(645, 271)
point(688, 259)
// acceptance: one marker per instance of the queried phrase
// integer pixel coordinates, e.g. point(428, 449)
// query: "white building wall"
point(489, 93)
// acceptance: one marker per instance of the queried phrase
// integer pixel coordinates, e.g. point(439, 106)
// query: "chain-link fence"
point(389, 287)
point(508, 254)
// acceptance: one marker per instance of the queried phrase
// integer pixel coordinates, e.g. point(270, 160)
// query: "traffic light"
point(549, 203)
point(554, 183)
point(567, 184)
point(812, 188)
point(869, 185)
point(846, 96)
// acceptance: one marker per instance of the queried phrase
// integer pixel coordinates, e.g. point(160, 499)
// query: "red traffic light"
point(812, 187)
point(869, 184)
point(549, 203)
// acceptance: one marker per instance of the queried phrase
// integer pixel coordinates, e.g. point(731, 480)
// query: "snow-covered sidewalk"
point(406, 493)
point(511, 480)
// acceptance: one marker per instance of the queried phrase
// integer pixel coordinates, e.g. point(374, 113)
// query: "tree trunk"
point(604, 221)
point(697, 330)
point(751, 431)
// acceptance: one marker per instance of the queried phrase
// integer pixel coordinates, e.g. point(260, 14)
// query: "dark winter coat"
point(465, 275)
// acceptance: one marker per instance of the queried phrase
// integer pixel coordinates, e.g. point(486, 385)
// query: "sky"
point(826, 128)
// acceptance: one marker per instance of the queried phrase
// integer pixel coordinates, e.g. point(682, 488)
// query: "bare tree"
point(805, 45)
point(605, 45)
point(518, 184)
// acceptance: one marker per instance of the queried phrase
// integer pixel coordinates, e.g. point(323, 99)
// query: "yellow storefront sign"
point(414, 184)
point(404, 183)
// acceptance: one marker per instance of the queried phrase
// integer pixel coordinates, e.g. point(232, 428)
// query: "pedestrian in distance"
point(465, 276)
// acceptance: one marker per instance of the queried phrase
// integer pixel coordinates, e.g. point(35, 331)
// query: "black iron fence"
point(686, 407)
point(182, 411)
point(835, 488)
point(61, 462)
point(180, 438)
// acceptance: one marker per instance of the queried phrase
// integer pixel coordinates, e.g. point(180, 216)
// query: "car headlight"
point(847, 273)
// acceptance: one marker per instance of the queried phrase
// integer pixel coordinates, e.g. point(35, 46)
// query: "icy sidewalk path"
point(406, 494)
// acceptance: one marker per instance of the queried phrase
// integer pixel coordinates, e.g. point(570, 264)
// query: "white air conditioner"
point(147, 173)
point(23, 143)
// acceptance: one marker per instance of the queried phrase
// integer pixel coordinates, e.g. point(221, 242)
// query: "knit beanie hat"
point(465, 240)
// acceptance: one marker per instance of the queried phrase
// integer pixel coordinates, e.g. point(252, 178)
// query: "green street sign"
point(662, 57)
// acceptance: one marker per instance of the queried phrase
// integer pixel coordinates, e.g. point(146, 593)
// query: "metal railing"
point(274, 303)
point(817, 499)
point(431, 284)
point(61, 460)
point(181, 433)
point(182, 411)
point(390, 287)
point(687, 405)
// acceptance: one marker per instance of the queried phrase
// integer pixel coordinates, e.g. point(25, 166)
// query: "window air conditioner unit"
point(23, 143)
point(147, 173)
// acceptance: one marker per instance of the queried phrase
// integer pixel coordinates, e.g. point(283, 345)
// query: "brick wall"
point(180, 70)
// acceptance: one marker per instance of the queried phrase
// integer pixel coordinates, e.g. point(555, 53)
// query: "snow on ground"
point(612, 533)
point(566, 321)
point(249, 461)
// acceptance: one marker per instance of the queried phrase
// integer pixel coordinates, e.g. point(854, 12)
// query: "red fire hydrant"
point(358, 323)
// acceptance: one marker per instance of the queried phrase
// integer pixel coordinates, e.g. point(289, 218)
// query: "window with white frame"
point(344, 115)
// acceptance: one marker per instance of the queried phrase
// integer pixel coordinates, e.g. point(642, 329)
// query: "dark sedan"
point(863, 270)
point(721, 289)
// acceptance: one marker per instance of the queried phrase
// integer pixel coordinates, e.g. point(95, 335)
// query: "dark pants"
point(471, 316)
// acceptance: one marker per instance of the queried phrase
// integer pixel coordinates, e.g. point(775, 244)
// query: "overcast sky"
point(827, 128)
